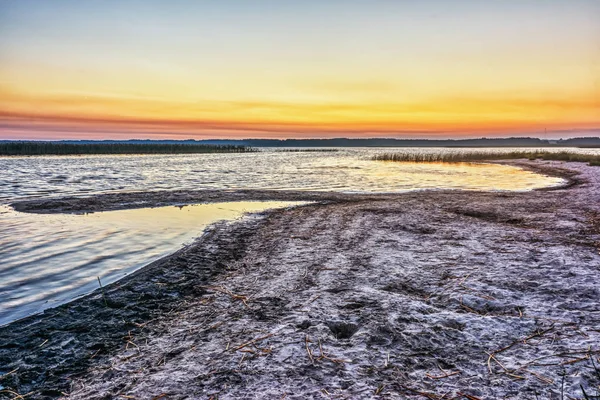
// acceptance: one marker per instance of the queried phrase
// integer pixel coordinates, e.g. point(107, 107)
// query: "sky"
point(178, 69)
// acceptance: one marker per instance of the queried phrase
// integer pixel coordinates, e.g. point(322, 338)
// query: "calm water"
point(346, 170)
point(50, 259)
point(46, 260)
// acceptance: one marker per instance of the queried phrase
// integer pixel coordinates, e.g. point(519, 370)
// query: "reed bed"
point(51, 148)
point(307, 150)
point(459, 157)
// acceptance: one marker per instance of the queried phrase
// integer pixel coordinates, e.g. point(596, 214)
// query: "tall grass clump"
point(53, 148)
point(458, 157)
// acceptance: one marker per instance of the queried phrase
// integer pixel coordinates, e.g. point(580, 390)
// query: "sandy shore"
point(420, 295)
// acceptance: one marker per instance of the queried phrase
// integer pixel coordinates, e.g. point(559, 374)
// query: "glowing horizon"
point(265, 69)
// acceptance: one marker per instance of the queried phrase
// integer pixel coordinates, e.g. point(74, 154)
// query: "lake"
point(46, 260)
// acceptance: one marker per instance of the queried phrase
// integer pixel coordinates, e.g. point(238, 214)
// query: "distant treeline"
point(384, 142)
point(367, 142)
point(61, 148)
point(144, 146)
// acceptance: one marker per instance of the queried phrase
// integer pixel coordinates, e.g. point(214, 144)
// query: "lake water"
point(49, 259)
point(46, 260)
point(345, 170)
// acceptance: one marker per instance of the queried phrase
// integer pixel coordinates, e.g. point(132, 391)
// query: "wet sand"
point(438, 294)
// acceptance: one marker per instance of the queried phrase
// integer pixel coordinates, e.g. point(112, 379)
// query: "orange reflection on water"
point(392, 175)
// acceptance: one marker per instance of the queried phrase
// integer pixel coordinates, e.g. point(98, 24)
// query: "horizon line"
point(306, 139)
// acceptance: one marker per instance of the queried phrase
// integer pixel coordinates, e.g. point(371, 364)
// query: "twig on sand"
point(576, 360)
point(253, 341)
point(309, 303)
point(575, 355)
point(242, 298)
point(313, 299)
point(129, 342)
point(477, 293)
point(536, 334)
point(469, 309)
point(95, 353)
point(540, 377)
point(15, 394)
point(103, 294)
point(509, 373)
point(492, 356)
point(322, 354)
point(444, 375)
point(431, 396)
point(9, 373)
point(464, 278)
point(308, 350)
point(143, 324)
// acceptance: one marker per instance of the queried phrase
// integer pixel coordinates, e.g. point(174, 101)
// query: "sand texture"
point(423, 295)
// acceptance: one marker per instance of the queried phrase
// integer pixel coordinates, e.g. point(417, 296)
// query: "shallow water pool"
point(51, 259)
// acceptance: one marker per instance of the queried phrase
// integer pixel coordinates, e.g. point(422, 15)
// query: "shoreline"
point(358, 295)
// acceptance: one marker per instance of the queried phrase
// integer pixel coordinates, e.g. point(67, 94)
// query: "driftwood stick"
point(241, 346)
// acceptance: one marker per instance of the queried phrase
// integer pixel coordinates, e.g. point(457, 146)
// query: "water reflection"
point(50, 259)
point(348, 170)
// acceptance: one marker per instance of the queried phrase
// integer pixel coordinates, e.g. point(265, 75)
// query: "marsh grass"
point(304, 150)
point(459, 157)
point(50, 148)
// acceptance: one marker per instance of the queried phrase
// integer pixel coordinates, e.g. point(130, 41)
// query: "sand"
point(420, 295)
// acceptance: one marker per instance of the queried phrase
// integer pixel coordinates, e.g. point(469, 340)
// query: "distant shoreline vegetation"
point(524, 142)
point(458, 157)
point(64, 149)
point(305, 150)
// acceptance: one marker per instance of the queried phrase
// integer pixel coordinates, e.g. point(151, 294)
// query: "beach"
point(429, 294)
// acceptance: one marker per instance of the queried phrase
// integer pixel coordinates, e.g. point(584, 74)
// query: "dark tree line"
point(50, 148)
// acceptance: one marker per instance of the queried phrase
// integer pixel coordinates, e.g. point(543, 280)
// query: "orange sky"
point(313, 69)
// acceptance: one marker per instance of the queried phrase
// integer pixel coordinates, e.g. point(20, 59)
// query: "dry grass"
point(458, 157)
point(305, 150)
